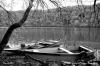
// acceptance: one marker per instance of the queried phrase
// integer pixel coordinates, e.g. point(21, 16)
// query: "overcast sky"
point(18, 4)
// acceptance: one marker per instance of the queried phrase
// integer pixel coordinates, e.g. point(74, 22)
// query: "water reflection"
point(83, 34)
point(54, 33)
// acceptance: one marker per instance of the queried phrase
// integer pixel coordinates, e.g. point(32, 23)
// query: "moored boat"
point(56, 53)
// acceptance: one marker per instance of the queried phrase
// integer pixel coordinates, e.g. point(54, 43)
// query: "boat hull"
point(52, 56)
point(55, 54)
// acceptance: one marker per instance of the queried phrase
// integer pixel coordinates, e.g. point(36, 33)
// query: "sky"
point(20, 4)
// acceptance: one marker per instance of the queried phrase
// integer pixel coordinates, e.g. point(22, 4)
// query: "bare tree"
point(14, 26)
point(94, 5)
point(96, 11)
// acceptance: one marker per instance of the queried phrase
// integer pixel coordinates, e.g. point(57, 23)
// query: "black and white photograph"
point(49, 32)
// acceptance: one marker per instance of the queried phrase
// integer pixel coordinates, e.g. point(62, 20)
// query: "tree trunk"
point(94, 5)
point(95, 14)
point(14, 26)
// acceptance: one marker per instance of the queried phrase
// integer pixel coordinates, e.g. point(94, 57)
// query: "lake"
point(31, 34)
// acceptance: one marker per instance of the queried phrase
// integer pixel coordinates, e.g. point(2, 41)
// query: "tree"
point(14, 26)
point(96, 8)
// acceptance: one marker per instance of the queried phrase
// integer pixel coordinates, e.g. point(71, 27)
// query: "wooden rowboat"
point(56, 54)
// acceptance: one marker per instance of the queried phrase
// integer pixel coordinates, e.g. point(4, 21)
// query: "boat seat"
point(65, 50)
point(82, 48)
point(46, 50)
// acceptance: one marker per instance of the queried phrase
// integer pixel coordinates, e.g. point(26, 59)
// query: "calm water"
point(55, 33)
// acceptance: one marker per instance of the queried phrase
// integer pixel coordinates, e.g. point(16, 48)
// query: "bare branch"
point(9, 15)
point(56, 3)
point(42, 3)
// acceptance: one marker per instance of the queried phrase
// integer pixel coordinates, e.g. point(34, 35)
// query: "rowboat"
point(56, 53)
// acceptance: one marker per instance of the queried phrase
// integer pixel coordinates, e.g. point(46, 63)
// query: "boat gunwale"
point(30, 52)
